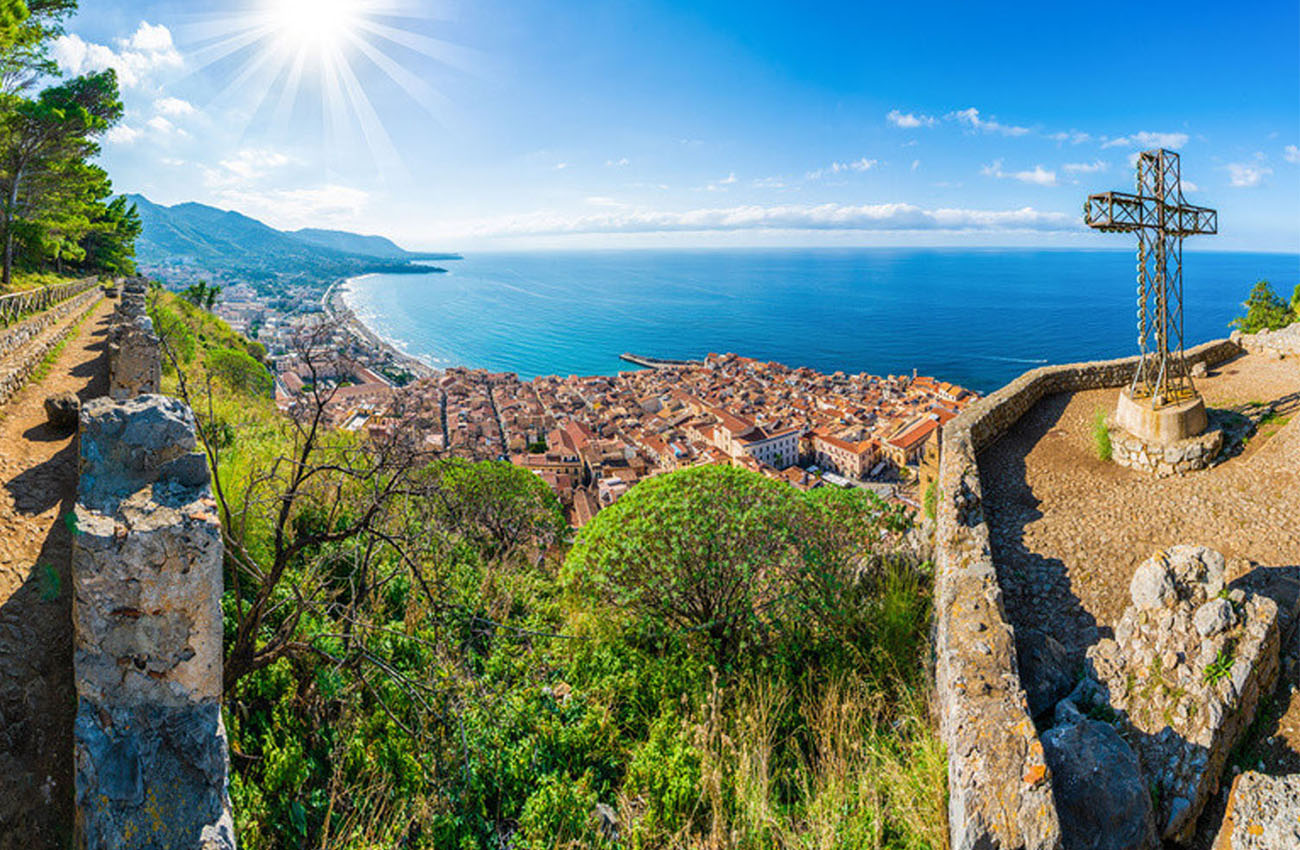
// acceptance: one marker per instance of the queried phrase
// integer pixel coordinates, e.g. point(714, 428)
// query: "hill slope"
point(223, 243)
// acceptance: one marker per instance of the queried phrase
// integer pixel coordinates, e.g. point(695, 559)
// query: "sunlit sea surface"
point(975, 317)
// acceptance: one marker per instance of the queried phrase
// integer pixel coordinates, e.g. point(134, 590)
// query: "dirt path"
point(38, 484)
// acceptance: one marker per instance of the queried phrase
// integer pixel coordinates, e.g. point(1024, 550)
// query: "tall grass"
point(1101, 435)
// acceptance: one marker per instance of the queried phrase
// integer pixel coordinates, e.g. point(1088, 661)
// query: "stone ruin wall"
point(151, 758)
point(1000, 791)
point(14, 375)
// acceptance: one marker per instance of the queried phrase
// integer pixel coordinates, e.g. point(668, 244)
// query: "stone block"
point(151, 755)
point(1184, 677)
point(1263, 813)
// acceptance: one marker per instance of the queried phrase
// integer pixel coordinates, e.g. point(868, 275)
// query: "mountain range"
point(194, 239)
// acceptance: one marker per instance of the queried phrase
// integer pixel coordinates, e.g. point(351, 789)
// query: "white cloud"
point(148, 50)
point(122, 135)
point(1189, 186)
point(560, 166)
point(247, 166)
point(1085, 167)
point(729, 179)
point(162, 125)
point(916, 163)
point(329, 205)
point(872, 217)
point(1292, 154)
point(174, 107)
point(909, 120)
point(770, 183)
point(1247, 175)
point(616, 163)
point(1074, 137)
point(859, 165)
point(602, 201)
point(1037, 175)
point(971, 118)
point(1146, 140)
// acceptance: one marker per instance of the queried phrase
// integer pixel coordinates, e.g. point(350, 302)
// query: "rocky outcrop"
point(1263, 813)
point(64, 412)
point(1184, 674)
point(134, 350)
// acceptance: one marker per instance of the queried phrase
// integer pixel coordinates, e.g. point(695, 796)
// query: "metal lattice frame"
point(1160, 217)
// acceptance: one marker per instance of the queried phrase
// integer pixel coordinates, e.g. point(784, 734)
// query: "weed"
point(1101, 436)
point(1220, 667)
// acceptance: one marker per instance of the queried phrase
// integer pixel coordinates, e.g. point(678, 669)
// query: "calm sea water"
point(976, 317)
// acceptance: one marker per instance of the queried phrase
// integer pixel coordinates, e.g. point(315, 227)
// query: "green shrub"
point(1101, 436)
point(931, 501)
point(240, 372)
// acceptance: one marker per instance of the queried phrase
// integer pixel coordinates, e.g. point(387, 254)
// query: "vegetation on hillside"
point(419, 655)
point(1266, 310)
point(55, 212)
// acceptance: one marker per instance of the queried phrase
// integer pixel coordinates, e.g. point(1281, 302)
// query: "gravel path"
point(1068, 530)
point(38, 470)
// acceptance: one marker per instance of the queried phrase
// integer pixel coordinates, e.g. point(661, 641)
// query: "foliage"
point(1221, 666)
point(446, 674)
point(1265, 310)
point(1101, 436)
point(202, 294)
point(239, 371)
point(931, 499)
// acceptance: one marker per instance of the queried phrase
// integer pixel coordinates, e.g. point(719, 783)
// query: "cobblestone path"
point(38, 483)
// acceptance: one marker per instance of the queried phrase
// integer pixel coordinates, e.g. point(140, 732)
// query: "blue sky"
point(495, 124)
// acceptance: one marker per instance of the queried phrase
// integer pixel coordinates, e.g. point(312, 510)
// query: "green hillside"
point(223, 243)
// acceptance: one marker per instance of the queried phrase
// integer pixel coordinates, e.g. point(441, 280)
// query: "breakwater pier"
point(659, 362)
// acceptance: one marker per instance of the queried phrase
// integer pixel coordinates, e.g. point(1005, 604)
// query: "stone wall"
point(135, 352)
point(999, 786)
point(23, 341)
point(151, 757)
point(1280, 343)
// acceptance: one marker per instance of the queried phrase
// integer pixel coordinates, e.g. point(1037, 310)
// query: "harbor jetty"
point(660, 362)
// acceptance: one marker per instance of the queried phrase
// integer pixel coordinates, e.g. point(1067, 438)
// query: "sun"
point(276, 52)
point(315, 25)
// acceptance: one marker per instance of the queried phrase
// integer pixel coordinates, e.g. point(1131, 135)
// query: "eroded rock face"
point(1046, 670)
point(1184, 673)
point(1263, 813)
point(1101, 797)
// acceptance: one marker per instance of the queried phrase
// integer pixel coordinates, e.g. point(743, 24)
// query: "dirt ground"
point(1068, 530)
point(38, 474)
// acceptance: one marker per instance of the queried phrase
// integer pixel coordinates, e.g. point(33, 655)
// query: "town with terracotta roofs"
point(592, 438)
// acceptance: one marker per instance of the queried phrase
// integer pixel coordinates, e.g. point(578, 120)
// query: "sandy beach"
point(337, 308)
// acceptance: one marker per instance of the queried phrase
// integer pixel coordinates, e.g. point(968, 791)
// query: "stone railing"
point(999, 787)
point(1279, 343)
point(22, 349)
point(152, 764)
point(18, 304)
point(134, 350)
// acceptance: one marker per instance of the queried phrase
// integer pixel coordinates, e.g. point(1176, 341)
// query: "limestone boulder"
point(1101, 796)
point(1263, 813)
point(63, 410)
point(1183, 676)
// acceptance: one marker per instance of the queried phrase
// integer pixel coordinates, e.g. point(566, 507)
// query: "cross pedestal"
point(1161, 425)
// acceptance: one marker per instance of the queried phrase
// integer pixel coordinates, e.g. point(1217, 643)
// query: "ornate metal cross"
point(1160, 217)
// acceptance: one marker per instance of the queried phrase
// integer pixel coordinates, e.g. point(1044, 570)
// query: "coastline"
point(336, 308)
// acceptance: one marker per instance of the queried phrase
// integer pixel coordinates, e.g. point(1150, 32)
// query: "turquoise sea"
point(976, 317)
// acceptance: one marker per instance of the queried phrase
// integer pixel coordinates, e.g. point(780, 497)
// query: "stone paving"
point(38, 484)
point(1068, 530)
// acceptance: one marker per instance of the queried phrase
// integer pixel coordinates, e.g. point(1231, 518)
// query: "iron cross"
point(1160, 217)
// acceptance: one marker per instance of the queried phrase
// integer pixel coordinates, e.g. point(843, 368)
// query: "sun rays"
point(280, 55)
